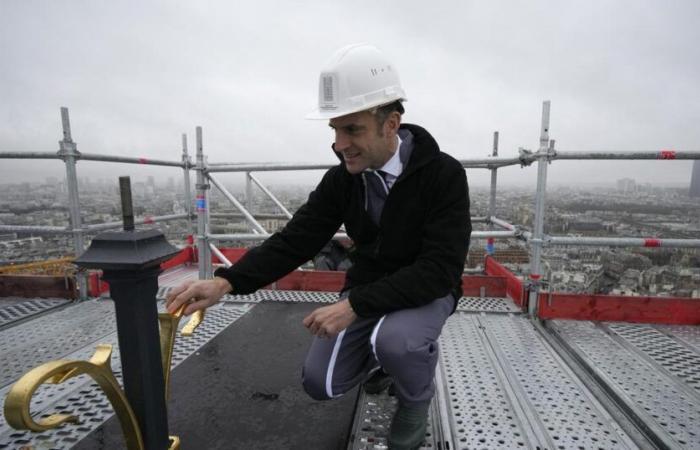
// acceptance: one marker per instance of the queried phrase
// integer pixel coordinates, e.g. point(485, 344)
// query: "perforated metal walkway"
point(502, 382)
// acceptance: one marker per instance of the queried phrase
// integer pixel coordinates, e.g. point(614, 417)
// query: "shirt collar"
point(394, 166)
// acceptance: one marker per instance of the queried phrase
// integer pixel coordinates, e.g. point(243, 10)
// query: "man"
point(405, 206)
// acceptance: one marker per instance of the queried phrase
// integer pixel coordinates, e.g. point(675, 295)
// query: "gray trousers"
point(404, 343)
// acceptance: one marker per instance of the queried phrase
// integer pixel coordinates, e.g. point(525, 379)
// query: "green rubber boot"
point(408, 427)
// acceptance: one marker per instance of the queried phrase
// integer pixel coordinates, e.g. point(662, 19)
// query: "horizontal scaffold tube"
point(502, 223)
point(241, 216)
point(658, 154)
point(29, 155)
point(34, 229)
point(264, 167)
point(260, 237)
point(129, 160)
point(88, 228)
point(490, 163)
point(622, 242)
point(144, 220)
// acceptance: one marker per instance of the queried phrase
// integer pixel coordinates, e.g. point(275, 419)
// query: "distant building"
point(695, 180)
point(626, 185)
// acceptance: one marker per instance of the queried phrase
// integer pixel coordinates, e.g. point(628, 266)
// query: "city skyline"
point(616, 79)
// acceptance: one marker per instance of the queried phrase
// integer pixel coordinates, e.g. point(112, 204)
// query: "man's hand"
point(198, 294)
point(330, 320)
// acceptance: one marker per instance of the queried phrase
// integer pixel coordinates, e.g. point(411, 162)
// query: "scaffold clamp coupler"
point(525, 156)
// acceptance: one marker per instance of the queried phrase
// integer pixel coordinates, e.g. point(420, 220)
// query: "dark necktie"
point(377, 191)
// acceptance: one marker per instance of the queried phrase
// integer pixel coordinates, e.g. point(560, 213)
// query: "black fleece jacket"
point(414, 256)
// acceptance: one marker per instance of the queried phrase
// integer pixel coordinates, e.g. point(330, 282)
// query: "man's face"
point(362, 143)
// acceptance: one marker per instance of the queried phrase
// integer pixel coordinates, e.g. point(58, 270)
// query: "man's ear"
point(392, 122)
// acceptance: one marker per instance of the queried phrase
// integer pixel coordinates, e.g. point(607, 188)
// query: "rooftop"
point(504, 380)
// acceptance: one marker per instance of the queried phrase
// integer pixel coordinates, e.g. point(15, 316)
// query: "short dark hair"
point(383, 112)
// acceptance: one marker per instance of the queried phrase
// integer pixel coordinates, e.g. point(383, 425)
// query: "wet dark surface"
point(242, 390)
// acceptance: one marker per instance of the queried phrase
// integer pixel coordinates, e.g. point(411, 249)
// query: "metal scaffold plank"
point(12, 312)
point(645, 373)
point(509, 389)
point(80, 395)
point(373, 419)
point(663, 352)
point(53, 336)
point(487, 304)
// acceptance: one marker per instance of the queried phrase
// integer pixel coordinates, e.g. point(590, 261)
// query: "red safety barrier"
point(312, 280)
point(514, 286)
point(186, 255)
point(96, 286)
point(617, 308)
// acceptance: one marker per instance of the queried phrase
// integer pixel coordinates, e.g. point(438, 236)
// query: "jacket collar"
point(425, 148)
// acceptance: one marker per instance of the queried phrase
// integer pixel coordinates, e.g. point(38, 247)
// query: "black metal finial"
point(127, 205)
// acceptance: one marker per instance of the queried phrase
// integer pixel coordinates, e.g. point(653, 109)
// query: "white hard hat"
point(356, 78)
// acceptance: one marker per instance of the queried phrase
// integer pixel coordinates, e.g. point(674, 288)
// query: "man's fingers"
point(177, 291)
point(181, 299)
point(196, 306)
point(308, 320)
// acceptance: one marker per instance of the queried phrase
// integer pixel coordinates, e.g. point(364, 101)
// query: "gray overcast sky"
point(621, 75)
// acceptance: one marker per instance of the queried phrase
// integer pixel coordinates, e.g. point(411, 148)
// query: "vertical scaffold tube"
point(69, 152)
point(248, 193)
point(540, 195)
point(491, 243)
point(188, 189)
point(203, 251)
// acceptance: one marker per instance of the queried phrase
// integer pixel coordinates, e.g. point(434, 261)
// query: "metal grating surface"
point(667, 353)
point(11, 311)
point(84, 397)
point(270, 296)
point(372, 421)
point(487, 304)
point(52, 336)
point(482, 415)
point(177, 275)
point(653, 395)
point(686, 334)
point(509, 389)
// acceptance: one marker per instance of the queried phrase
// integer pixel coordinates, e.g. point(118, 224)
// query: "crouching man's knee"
point(314, 384)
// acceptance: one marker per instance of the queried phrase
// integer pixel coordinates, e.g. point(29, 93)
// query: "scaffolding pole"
point(643, 155)
point(538, 232)
point(270, 195)
point(263, 236)
point(249, 217)
point(145, 220)
point(265, 167)
point(128, 160)
point(494, 177)
point(68, 151)
point(203, 251)
point(186, 164)
point(241, 216)
point(220, 255)
point(248, 193)
point(621, 242)
point(502, 223)
point(29, 155)
point(35, 229)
